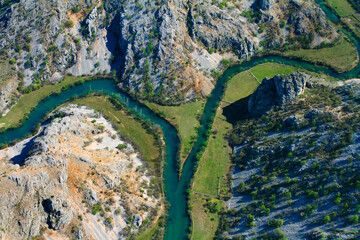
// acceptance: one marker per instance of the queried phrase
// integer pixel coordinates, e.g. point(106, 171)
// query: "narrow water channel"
point(178, 221)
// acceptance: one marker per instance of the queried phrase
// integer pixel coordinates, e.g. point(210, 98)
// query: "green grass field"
point(30, 100)
point(204, 222)
point(150, 233)
point(341, 57)
point(269, 70)
point(341, 7)
point(127, 125)
point(186, 119)
point(214, 164)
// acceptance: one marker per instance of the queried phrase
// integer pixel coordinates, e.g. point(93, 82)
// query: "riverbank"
point(28, 101)
point(211, 183)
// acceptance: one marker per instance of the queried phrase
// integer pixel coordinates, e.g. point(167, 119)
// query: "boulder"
point(137, 220)
point(276, 91)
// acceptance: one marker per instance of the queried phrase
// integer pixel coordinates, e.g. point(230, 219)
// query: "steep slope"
point(296, 167)
point(168, 51)
point(76, 179)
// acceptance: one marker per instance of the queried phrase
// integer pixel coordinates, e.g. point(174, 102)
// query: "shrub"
point(117, 211)
point(250, 220)
point(326, 219)
point(282, 23)
point(353, 219)
point(69, 24)
point(276, 223)
point(96, 208)
point(121, 146)
point(12, 61)
point(52, 48)
point(75, 9)
point(337, 200)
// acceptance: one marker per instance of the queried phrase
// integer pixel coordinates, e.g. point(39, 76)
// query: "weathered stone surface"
point(137, 220)
point(266, 4)
point(70, 168)
point(277, 91)
point(152, 46)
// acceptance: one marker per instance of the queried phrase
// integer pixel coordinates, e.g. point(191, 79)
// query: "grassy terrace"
point(341, 57)
point(186, 119)
point(210, 182)
point(347, 13)
point(28, 101)
point(342, 7)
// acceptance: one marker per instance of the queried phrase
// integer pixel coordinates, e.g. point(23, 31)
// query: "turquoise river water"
point(178, 221)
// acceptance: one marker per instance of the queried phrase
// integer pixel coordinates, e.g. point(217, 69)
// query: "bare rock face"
point(74, 182)
point(276, 91)
point(266, 4)
point(156, 48)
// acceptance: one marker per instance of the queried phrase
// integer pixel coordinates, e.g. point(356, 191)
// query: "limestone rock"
point(266, 4)
point(137, 220)
point(277, 91)
point(69, 174)
point(152, 49)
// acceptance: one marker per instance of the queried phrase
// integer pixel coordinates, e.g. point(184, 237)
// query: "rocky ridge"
point(75, 179)
point(295, 172)
point(167, 51)
point(276, 91)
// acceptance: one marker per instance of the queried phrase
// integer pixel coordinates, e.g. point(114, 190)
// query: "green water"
point(175, 190)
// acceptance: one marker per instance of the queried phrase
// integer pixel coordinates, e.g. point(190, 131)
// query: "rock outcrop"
point(167, 51)
point(73, 182)
point(276, 91)
point(286, 169)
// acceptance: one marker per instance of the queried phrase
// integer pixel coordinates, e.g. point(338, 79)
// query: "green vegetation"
point(186, 119)
point(355, 4)
point(341, 57)
point(242, 84)
point(353, 23)
point(284, 173)
point(69, 24)
point(214, 164)
point(204, 222)
point(152, 233)
point(29, 101)
point(269, 70)
point(130, 127)
point(342, 7)
point(7, 73)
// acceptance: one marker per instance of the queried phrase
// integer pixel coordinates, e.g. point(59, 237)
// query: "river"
point(178, 221)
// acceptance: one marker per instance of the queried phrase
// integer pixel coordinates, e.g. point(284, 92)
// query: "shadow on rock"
point(237, 111)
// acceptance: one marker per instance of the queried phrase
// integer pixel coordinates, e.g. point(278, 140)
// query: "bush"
point(276, 223)
point(12, 61)
point(353, 219)
point(75, 9)
point(282, 23)
point(337, 200)
point(121, 146)
point(326, 219)
point(69, 24)
point(96, 208)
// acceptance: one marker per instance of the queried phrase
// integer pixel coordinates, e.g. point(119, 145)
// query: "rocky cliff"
point(75, 180)
point(276, 91)
point(295, 172)
point(164, 50)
